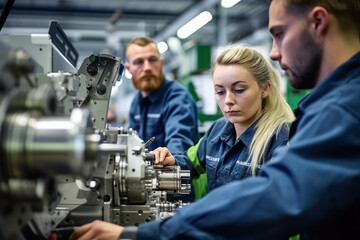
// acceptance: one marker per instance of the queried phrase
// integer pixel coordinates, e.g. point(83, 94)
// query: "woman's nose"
point(229, 100)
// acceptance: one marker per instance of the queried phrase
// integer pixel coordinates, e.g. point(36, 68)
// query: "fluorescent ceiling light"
point(163, 47)
point(229, 3)
point(195, 24)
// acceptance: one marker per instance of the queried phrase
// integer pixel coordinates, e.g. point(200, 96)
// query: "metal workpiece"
point(65, 142)
point(46, 145)
point(126, 186)
point(108, 148)
point(42, 99)
point(168, 206)
point(17, 188)
point(170, 178)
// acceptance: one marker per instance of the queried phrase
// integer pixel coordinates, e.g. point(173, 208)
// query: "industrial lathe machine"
point(61, 166)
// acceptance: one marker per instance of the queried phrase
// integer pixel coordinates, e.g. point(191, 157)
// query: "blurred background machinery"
point(61, 165)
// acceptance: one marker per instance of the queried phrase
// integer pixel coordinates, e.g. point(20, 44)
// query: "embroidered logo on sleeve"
point(214, 159)
point(247, 164)
point(153, 115)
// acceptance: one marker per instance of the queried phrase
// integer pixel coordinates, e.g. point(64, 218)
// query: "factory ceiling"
point(94, 25)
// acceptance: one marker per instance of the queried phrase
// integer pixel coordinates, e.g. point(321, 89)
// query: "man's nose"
point(275, 53)
point(147, 65)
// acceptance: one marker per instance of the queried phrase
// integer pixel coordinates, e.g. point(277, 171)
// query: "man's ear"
point(319, 17)
point(127, 66)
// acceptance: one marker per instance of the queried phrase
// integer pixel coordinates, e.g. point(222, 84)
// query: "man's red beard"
point(147, 82)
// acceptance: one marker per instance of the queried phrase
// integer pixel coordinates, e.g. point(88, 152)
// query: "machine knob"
point(92, 69)
point(101, 89)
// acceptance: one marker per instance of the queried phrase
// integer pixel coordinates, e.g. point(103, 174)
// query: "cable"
point(5, 12)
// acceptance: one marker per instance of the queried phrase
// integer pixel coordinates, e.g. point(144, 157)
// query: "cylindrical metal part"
point(112, 148)
point(169, 181)
point(46, 146)
point(42, 99)
point(27, 189)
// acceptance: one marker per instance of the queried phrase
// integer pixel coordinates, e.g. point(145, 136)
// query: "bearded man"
point(162, 109)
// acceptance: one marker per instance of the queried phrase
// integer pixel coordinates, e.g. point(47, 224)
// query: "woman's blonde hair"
point(275, 110)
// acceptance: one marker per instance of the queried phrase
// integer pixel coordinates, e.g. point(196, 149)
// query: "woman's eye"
point(239, 90)
point(220, 92)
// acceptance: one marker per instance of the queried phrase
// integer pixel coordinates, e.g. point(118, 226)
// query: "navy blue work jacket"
point(311, 187)
point(169, 114)
point(225, 159)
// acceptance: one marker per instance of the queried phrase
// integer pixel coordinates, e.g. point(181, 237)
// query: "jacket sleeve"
point(190, 160)
point(180, 122)
point(314, 179)
point(132, 123)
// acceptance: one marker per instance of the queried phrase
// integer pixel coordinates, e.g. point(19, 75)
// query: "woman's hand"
point(163, 156)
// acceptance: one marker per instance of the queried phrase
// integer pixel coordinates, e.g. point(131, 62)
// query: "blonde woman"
point(256, 121)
